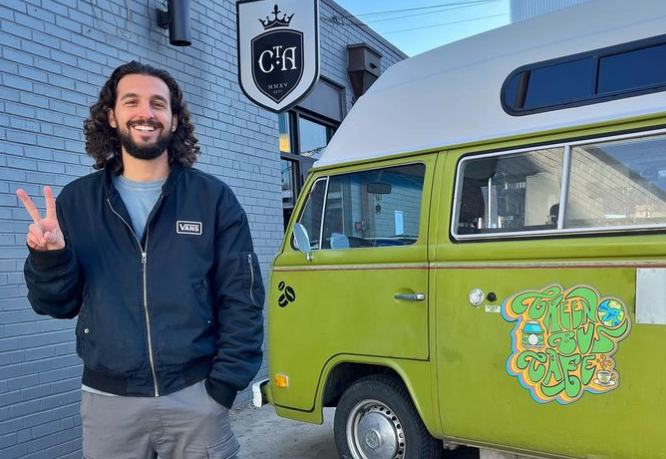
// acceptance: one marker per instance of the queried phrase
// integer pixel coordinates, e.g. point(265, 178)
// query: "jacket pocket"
point(205, 302)
point(83, 326)
point(254, 286)
point(80, 336)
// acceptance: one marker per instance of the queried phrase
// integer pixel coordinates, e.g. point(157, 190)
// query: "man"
point(156, 259)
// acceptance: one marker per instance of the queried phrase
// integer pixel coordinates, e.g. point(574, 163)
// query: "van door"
point(365, 290)
point(537, 344)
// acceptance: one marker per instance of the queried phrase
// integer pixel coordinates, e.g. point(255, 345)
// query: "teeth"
point(144, 128)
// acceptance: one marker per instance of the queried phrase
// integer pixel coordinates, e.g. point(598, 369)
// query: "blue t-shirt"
point(139, 198)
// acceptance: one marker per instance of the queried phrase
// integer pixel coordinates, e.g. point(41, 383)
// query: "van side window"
point(614, 184)
point(510, 193)
point(375, 208)
point(609, 185)
point(312, 213)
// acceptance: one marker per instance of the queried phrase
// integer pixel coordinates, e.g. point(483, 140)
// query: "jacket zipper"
point(144, 260)
point(249, 261)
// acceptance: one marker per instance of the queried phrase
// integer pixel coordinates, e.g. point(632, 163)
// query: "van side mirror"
point(302, 240)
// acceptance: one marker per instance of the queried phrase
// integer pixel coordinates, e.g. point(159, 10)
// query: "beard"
point(146, 152)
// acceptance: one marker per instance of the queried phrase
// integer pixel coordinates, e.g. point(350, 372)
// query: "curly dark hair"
point(102, 141)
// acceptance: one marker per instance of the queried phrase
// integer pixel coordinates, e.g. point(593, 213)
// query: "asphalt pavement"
point(264, 435)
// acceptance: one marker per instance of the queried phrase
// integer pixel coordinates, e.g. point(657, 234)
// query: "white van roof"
point(451, 95)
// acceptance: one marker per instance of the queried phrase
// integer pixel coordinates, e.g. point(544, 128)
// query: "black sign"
point(277, 58)
point(278, 51)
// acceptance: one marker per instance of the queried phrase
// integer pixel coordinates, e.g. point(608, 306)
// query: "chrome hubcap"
point(375, 432)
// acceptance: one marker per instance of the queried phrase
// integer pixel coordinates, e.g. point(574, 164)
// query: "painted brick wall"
point(55, 56)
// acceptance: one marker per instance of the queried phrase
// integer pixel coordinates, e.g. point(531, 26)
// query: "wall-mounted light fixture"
point(177, 19)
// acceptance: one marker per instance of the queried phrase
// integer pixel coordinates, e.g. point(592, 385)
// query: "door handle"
point(410, 296)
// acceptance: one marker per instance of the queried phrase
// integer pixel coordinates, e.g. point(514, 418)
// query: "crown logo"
point(277, 22)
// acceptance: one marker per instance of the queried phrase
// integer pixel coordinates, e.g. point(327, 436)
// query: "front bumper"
point(260, 393)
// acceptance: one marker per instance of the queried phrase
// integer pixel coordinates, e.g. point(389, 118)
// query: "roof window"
point(596, 76)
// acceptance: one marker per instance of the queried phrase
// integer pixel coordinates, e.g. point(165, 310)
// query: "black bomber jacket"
point(182, 305)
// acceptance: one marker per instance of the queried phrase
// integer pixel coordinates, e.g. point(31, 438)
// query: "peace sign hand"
point(44, 233)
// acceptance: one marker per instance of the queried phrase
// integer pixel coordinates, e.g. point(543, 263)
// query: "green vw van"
point(480, 256)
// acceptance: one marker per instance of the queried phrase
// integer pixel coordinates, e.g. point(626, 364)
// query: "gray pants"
point(187, 424)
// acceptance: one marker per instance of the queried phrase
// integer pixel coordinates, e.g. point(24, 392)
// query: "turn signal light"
point(281, 381)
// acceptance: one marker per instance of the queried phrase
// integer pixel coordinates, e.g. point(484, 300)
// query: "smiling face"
point(142, 116)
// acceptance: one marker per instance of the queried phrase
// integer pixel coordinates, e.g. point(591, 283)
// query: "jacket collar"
point(175, 173)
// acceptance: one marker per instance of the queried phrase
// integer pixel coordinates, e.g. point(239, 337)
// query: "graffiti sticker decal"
point(564, 340)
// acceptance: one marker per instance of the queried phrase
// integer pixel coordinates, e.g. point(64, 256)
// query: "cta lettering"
point(281, 58)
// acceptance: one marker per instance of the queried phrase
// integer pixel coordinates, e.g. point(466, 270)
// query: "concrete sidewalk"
point(265, 435)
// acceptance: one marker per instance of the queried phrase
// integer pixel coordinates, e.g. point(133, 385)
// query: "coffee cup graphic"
point(605, 377)
point(532, 334)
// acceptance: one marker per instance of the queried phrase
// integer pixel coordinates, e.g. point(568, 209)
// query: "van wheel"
point(376, 419)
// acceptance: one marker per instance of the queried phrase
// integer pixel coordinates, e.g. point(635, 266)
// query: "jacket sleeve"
point(55, 287)
point(239, 297)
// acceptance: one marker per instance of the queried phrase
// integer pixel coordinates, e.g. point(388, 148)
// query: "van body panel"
point(541, 240)
point(483, 399)
point(316, 416)
point(475, 345)
point(343, 299)
point(457, 373)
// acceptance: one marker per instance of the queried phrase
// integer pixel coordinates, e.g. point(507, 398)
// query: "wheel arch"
point(343, 370)
point(344, 374)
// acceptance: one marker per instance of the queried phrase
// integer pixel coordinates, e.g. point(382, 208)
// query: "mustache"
point(151, 123)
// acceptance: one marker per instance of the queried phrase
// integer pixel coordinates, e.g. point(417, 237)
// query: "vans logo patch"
point(193, 228)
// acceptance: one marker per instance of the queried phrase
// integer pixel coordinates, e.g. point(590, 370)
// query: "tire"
point(376, 419)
